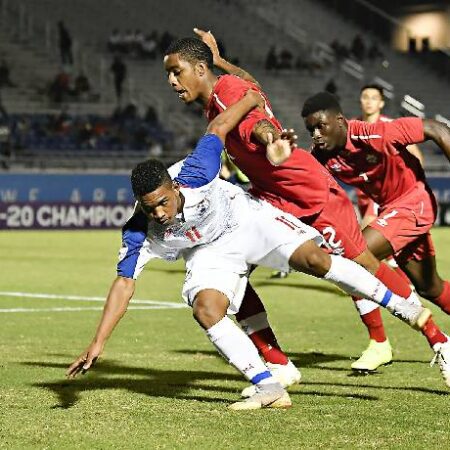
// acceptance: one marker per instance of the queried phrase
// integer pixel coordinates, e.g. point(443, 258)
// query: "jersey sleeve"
point(135, 251)
point(404, 131)
point(203, 165)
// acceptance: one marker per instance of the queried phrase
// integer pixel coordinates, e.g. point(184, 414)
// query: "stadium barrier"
point(80, 201)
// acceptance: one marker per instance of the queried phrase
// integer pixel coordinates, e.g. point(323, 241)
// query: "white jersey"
point(220, 232)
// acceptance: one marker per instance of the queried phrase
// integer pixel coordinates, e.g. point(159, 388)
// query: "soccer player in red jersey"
point(372, 102)
point(301, 186)
point(374, 158)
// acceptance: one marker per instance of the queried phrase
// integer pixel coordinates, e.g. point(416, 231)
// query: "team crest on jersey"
point(336, 167)
point(372, 158)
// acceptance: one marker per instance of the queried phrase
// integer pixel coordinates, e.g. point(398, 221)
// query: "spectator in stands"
point(115, 41)
point(374, 52)
point(65, 44)
point(119, 72)
point(331, 87)
point(82, 86)
point(285, 59)
point(271, 59)
point(358, 48)
point(165, 41)
point(59, 88)
point(340, 50)
point(151, 116)
point(5, 80)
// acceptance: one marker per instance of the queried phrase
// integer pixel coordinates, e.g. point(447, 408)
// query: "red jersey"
point(375, 158)
point(299, 186)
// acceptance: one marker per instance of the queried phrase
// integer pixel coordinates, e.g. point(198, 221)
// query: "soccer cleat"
point(276, 274)
point(286, 375)
point(375, 355)
point(414, 315)
point(442, 357)
point(266, 396)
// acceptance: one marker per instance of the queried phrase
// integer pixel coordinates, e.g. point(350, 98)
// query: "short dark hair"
point(323, 101)
point(373, 86)
point(148, 176)
point(192, 50)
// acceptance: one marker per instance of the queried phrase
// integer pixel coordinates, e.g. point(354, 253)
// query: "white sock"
point(239, 350)
point(355, 280)
point(365, 306)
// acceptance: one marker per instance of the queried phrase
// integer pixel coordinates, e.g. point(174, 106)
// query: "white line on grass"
point(62, 309)
point(153, 304)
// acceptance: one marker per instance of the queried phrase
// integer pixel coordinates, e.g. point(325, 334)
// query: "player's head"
point(158, 197)
point(325, 121)
point(371, 99)
point(188, 63)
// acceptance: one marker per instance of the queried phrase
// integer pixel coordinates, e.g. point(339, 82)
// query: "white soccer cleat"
point(375, 355)
point(286, 375)
point(414, 315)
point(266, 396)
point(442, 357)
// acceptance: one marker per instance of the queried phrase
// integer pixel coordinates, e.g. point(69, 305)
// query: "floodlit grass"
point(161, 384)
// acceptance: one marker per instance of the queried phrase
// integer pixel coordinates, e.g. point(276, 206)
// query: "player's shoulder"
point(230, 81)
point(360, 132)
point(385, 119)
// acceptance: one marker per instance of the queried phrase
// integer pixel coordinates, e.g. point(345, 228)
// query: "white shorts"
point(265, 237)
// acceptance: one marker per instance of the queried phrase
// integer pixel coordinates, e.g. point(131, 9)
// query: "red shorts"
point(406, 224)
point(337, 222)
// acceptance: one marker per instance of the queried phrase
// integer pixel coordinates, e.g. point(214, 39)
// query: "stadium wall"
point(78, 201)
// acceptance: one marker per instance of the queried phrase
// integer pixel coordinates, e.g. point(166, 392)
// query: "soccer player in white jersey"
point(221, 231)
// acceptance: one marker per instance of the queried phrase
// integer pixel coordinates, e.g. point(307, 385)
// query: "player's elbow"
point(219, 128)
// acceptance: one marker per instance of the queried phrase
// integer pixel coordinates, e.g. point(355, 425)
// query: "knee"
point(207, 312)
point(311, 260)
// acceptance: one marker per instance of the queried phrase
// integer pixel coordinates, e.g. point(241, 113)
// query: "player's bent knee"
point(209, 307)
point(310, 259)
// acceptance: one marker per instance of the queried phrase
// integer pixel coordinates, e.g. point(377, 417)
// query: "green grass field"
point(161, 384)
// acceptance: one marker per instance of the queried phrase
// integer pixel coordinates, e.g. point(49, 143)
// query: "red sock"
point(393, 281)
point(253, 318)
point(443, 301)
point(267, 345)
point(433, 334)
point(402, 274)
point(374, 324)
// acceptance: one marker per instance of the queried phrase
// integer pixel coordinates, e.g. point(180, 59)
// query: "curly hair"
point(192, 50)
point(148, 176)
point(323, 101)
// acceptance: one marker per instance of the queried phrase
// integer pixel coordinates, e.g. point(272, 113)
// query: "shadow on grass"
point(153, 382)
point(302, 360)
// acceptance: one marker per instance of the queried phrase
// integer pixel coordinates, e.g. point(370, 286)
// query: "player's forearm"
point(262, 130)
point(439, 133)
point(222, 124)
point(230, 68)
point(116, 305)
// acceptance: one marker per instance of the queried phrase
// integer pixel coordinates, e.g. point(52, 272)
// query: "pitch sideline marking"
point(152, 304)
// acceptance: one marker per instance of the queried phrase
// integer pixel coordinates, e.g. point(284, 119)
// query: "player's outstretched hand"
point(85, 361)
point(208, 38)
point(277, 151)
point(290, 136)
